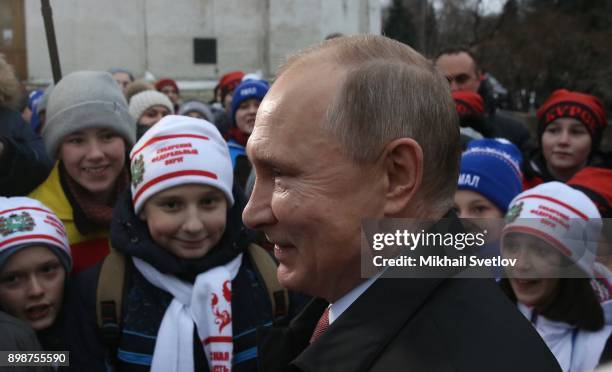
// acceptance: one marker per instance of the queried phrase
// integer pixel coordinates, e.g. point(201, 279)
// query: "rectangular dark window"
point(204, 51)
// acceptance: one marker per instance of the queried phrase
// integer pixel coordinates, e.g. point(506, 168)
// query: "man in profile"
point(356, 127)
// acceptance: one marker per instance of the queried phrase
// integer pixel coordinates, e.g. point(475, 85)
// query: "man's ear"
point(403, 167)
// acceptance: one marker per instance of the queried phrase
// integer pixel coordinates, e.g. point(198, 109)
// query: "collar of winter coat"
point(380, 312)
point(130, 235)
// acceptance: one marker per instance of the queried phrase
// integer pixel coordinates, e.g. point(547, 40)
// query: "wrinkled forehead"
point(296, 105)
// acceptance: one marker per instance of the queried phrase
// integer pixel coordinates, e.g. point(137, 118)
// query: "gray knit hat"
point(197, 106)
point(83, 100)
point(140, 102)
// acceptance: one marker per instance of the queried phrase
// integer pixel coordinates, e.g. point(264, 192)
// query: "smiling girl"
point(89, 131)
point(570, 126)
point(553, 231)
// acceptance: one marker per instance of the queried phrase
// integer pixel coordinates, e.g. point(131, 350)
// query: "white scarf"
point(207, 303)
point(575, 350)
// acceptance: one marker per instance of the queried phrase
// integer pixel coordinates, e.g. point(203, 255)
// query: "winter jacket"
point(503, 125)
point(240, 162)
point(87, 248)
point(18, 336)
point(24, 163)
point(144, 304)
point(412, 324)
point(535, 171)
point(576, 350)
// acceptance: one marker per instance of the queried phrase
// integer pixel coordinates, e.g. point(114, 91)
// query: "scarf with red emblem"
point(207, 304)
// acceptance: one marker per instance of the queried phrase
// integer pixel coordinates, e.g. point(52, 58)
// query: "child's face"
point(94, 158)
point(245, 115)
point(188, 220)
point(32, 286)
point(483, 214)
point(534, 278)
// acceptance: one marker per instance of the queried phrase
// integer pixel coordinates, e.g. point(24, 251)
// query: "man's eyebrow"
point(273, 161)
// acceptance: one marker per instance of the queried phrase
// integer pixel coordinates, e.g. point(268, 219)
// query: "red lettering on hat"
point(173, 160)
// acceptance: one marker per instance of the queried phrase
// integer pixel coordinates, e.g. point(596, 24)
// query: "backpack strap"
point(109, 297)
point(266, 266)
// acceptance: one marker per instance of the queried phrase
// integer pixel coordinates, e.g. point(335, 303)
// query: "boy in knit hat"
point(88, 132)
point(35, 261)
point(245, 102)
point(489, 177)
point(147, 108)
point(188, 279)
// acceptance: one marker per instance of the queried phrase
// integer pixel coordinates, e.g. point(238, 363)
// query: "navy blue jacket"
point(24, 163)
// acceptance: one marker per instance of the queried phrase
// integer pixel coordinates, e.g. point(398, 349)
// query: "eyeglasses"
point(459, 79)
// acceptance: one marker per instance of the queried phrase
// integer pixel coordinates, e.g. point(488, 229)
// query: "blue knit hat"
point(246, 90)
point(491, 167)
point(33, 99)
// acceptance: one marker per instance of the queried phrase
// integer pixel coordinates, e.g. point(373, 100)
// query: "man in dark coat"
point(460, 68)
point(358, 127)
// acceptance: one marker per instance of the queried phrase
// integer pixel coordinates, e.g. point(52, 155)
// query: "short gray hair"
point(391, 92)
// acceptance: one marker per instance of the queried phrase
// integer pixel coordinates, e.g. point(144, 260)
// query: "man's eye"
point(462, 78)
point(275, 173)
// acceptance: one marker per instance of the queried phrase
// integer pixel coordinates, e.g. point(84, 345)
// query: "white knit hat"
point(180, 150)
point(140, 102)
point(25, 222)
point(560, 215)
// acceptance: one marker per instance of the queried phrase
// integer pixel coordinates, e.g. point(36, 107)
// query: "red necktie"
point(321, 326)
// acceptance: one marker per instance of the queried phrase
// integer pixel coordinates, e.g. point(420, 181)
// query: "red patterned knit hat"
point(585, 108)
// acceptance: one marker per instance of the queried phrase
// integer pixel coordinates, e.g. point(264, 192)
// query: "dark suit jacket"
point(432, 324)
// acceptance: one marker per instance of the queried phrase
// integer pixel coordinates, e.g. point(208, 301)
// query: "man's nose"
point(258, 211)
